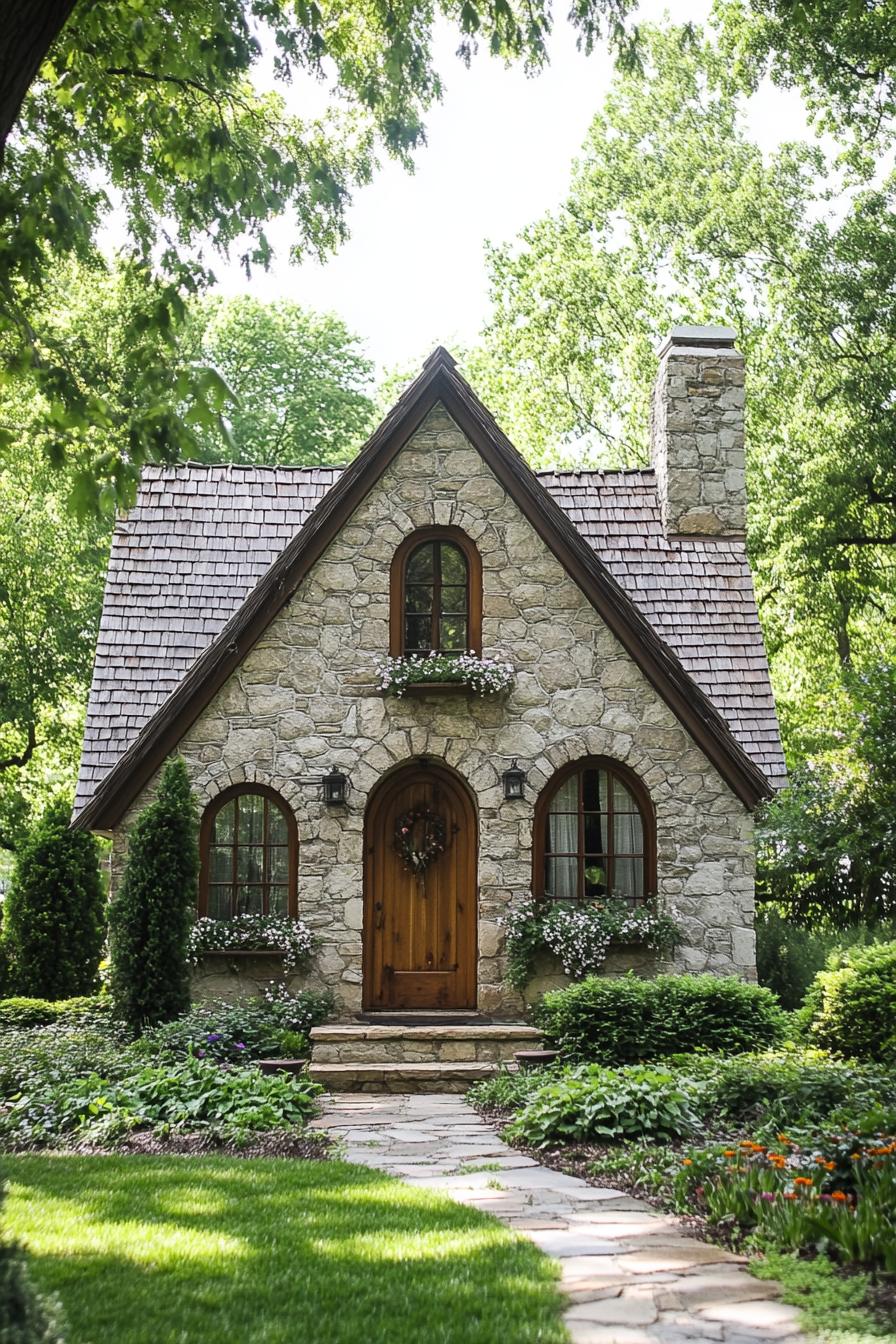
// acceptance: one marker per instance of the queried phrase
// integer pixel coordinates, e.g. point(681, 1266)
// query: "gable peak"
point(440, 357)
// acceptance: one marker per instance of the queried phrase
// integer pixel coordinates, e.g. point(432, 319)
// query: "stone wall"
point(697, 432)
point(306, 699)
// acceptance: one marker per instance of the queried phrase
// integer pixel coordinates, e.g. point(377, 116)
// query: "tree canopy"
point(196, 125)
point(673, 215)
point(299, 382)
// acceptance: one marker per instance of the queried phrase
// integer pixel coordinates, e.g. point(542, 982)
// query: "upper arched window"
point(594, 835)
point(249, 855)
point(436, 594)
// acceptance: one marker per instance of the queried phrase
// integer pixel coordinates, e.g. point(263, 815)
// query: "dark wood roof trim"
point(437, 382)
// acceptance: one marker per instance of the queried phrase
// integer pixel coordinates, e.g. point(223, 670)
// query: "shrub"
point(187, 1097)
point(54, 916)
point(789, 956)
point(788, 1090)
point(25, 1318)
point(625, 1020)
point(41, 1012)
point(248, 1029)
point(609, 1105)
point(151, 916)
point(852, 1005)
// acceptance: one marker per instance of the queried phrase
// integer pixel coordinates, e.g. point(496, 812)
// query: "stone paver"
point(632, 1276)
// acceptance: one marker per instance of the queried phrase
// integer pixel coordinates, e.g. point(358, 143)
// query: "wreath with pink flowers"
point(420, 837)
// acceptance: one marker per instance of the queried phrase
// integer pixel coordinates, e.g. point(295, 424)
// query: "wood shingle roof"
point(200, 538)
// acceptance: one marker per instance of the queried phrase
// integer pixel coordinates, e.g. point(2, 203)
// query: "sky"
point(499, 152)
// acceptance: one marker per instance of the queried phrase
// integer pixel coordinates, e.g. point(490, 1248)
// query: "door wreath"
point(420, 837)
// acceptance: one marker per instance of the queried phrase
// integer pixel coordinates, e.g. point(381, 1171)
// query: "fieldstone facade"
point(306, 698)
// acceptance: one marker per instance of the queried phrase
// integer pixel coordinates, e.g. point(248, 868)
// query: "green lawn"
point(148, 1250)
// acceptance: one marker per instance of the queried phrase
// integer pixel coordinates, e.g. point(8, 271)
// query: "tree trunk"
point(29, 29)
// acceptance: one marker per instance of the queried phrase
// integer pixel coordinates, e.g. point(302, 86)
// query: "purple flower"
point(239, 1046)
point(213, 1036)
point(201, 1054)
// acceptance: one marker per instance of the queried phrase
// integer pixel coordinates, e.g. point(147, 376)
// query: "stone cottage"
point(247, 616)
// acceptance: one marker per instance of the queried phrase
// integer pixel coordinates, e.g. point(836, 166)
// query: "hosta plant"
point(609, 1105)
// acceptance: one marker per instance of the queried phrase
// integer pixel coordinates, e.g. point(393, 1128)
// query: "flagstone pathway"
point(632, 1276)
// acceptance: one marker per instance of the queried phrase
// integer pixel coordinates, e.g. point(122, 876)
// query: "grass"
point(160, 1250)
point(832, 1305)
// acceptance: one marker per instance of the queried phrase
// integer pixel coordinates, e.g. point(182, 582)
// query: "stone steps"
point(431, 1077)
point(450, 1057)
point(374, 1044)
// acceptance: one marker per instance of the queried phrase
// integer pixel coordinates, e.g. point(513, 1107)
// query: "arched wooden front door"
point(420, 892)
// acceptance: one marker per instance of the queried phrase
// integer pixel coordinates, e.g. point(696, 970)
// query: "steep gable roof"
point(195, 684)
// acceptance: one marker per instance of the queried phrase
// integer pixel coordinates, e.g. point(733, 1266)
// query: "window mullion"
point(265, 897)
point(581, 857)
point(233, 861)
point(435, 629)
point(611, 836)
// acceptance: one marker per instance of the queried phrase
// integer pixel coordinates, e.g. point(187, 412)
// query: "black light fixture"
point(335, 788)
point(514, 781)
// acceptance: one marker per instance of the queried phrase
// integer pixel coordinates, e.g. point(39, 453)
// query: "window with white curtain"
point(593, 837)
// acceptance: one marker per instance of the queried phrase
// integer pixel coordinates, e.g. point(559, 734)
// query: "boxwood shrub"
point(628, 1020)
point(22, 1012)
point(851, 1006)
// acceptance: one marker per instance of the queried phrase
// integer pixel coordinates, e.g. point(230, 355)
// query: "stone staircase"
point(415, 1053)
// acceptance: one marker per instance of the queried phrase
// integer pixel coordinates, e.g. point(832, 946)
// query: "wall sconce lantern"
point(335, 788)
point(514, 781)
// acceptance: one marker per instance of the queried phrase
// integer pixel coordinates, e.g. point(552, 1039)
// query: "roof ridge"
point(595, 471)
point(158, 469)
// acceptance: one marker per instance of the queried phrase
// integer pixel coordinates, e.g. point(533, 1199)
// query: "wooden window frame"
point(642, 798)
point(397, 584)
point(292, 838)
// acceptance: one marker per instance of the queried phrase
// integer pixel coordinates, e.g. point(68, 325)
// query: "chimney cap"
point(696, 337)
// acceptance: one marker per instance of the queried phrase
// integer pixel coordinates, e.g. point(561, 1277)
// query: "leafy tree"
point(51, 576)
point(151, 913)
point(675, 215)
point(827, 844)
point(54, 918)
point(158, 111)
point(299, 381)
point(842, 57)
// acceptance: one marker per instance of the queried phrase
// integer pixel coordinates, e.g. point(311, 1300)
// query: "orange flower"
point(788, 1194)
point(838, 1195)
point(782, 1138)
point(729, 1152)
point(802, 1180)
point(686, 1162)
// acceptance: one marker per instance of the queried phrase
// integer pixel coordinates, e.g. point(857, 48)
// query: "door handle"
point(380, 919)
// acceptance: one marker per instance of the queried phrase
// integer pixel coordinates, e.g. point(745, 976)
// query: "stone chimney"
point(697, 433)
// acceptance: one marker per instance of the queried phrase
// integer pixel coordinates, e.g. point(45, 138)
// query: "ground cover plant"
point(78, 1078)
point(149, 1249)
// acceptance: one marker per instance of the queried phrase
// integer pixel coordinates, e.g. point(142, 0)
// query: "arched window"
point(436, 594)
point(249, 855)
point(594, 835)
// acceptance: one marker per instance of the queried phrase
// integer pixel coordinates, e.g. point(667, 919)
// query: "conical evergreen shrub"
point(151, 914)
point(54, 921)
point(25, 1318)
